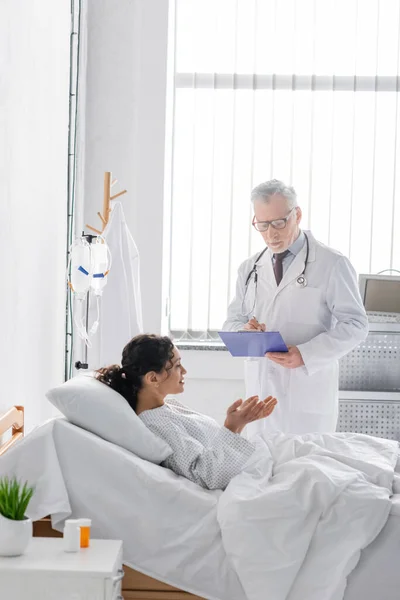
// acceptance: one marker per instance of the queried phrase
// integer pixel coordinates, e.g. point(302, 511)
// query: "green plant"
point(14, 498)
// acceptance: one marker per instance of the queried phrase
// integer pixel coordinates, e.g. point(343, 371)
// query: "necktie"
point(278, 267)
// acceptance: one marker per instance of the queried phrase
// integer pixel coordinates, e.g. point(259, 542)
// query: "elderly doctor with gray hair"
point(309, 293)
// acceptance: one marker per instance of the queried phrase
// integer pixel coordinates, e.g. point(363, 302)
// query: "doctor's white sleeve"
point(344, 301)
point(235, 320)
point(210, 467)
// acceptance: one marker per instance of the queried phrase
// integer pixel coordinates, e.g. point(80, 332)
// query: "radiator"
point(380, 418)
point(374, 365)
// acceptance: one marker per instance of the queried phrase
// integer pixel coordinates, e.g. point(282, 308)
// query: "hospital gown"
point(202, 450)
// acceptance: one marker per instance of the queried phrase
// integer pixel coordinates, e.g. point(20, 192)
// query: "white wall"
point(128, 80)
point(125, 125)
point(214, 381)
point(34, 72)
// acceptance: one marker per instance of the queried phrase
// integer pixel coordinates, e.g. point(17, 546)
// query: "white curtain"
point(34, 72)
point(305, 91)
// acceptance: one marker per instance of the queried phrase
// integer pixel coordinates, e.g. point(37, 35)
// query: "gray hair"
point(265, 190)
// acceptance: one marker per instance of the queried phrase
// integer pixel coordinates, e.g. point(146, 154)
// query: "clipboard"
point(252, 343)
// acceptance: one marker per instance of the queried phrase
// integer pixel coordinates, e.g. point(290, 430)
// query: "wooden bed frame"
point(135, 585)
point(13, 419)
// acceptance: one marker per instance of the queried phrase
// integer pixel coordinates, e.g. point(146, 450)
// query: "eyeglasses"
point(277, 224)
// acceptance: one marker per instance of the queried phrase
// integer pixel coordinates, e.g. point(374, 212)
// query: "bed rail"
point(14, 419)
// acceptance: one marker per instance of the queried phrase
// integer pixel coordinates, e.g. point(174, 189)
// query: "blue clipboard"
point(252, 343)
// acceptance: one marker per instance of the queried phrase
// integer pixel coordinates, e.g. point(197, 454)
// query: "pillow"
point(92, 405)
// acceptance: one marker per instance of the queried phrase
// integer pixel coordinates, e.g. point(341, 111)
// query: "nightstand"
point(47, 572)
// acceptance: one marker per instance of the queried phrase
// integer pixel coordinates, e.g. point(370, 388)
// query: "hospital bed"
point(168, 525)
point(136, 585)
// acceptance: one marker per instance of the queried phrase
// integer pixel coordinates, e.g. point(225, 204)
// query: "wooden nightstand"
point(47, 572)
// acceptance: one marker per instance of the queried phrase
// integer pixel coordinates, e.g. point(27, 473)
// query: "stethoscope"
point(301, 280)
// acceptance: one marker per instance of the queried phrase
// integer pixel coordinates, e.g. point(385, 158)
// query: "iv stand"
point(104, 217)
point(85, 365)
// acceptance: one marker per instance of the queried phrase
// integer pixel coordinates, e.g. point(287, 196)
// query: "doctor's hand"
point(290, 360)
point(241, 413)
point(254, 325)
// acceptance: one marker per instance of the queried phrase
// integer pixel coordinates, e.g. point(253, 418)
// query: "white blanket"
point(295, 520)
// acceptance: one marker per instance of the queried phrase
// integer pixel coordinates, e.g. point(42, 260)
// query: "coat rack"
point(104, 217)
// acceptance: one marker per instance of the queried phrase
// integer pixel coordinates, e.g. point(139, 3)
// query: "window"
point(307, 92)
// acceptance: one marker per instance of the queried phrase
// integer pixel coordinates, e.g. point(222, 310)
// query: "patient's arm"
point(211, 467)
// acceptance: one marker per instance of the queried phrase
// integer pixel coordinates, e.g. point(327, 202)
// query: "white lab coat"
point(120, 305)
point(325, 320)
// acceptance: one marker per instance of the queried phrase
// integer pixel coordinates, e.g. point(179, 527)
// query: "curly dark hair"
point(144, 353)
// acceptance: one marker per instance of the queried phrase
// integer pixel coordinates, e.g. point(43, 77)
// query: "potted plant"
point(15, 527)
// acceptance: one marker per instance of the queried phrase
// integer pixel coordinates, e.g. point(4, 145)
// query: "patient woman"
point(202, 450)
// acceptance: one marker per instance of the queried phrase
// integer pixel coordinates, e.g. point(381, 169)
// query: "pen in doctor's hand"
point(254, 325)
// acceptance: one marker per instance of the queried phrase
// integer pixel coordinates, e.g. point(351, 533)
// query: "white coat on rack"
point(121, 306)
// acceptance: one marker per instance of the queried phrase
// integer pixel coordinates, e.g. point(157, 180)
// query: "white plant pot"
point(14, 536)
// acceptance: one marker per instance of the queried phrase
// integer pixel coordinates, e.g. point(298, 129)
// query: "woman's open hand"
point(241, 413)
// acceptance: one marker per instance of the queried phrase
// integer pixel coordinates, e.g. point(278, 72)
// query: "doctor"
point(309, 293)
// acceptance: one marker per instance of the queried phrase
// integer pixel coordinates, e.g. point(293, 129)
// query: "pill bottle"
point(72, 535)
point(85, 525)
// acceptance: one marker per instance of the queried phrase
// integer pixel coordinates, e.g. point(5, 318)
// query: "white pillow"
point(95, 407)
